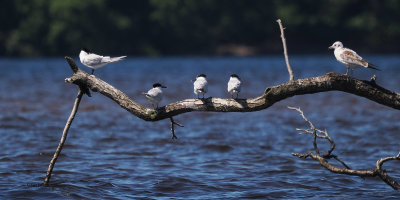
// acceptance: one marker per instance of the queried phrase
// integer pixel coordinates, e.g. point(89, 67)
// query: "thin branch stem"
point(173, 122)
point(173, 129)
point(63, 137)
point(312, 128)
point(315, 142)
point(285, 50)
point(341, 162)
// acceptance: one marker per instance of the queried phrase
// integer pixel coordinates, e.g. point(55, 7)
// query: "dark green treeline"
point(195, 27)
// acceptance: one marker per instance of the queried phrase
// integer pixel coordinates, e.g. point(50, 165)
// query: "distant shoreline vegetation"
point(186, 27)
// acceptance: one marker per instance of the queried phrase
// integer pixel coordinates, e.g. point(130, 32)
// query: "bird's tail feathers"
point(373, 67)
point(115, 59)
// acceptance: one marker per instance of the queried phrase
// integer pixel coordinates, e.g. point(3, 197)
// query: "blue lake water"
point(111, 154)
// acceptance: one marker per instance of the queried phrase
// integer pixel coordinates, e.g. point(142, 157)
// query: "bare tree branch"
point(328, 82)
point(64, 136)
point(323, 160)
point(285, 50)
point(382, 173)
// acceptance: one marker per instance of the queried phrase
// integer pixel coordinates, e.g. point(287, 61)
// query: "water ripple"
point(111, 154)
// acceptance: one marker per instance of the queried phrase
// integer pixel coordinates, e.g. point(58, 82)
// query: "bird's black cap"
point(85, 50)
point(158, 85)
point(201, 75)
point(235, 75)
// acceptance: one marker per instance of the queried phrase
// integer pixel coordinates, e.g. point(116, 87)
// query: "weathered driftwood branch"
point(323, 159)
point(328, 82)
point(285, 50)
point(64, 135)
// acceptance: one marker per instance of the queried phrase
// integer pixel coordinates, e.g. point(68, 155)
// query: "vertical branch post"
point(63, 137)
point(285, 50)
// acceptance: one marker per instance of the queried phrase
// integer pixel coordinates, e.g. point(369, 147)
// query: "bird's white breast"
point(338, 52)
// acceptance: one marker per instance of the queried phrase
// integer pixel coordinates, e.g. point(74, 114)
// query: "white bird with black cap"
point(234, 85)
point(95, 61)
point(200, 85)
point(350, 58)
point(155, 94)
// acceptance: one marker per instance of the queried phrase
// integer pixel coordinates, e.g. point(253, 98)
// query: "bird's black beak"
point(163, 86)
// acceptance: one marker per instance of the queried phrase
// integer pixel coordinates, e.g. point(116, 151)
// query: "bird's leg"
point(92, 71)
point(347, 70)
point(237, 95)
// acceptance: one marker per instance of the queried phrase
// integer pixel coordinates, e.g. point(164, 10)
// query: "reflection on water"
point(111, 154)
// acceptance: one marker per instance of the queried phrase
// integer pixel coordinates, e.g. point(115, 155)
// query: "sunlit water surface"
point(111, 154)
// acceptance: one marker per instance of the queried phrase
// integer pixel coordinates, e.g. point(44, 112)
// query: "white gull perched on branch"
point(350, 58)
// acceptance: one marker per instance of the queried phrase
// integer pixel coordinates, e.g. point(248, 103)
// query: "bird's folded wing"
point(106, 59)
point(93, 59)
point(152, 93)
point(351, 57)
